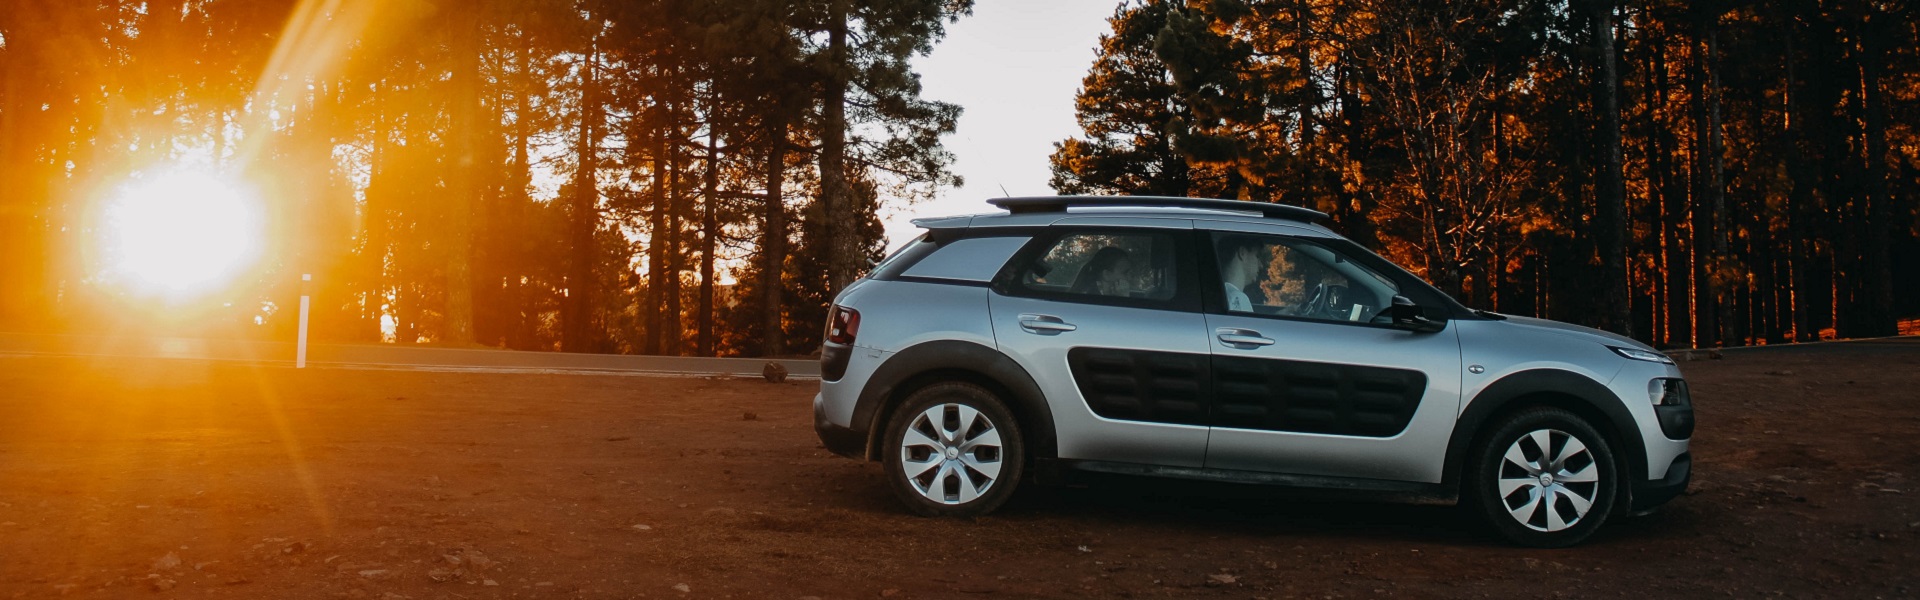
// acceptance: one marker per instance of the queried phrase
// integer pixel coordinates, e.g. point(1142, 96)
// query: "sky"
point(1014, 66)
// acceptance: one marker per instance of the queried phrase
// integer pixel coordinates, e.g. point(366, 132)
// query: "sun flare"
point(180, 232)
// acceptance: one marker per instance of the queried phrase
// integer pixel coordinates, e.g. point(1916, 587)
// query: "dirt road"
point(176, 478)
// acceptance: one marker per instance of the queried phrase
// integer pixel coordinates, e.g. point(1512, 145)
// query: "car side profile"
point(1231, 341)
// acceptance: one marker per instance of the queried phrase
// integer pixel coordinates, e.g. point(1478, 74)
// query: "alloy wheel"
point(1548, 480)
point(951, 453)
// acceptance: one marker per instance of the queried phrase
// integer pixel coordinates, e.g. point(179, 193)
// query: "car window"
point(1097, 266)
point(1297, 277)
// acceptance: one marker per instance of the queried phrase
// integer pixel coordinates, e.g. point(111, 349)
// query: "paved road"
point(381, 356)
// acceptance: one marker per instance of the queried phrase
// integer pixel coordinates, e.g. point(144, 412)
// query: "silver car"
point(1231, 341)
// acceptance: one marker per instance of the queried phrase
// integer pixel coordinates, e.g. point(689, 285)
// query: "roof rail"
point(1047, 204)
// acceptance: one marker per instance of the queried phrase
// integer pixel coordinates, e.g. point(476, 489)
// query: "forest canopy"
point(1691, 173)
point(700, 177)
point(649, 176)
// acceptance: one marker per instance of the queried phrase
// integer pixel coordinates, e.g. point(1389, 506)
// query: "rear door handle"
point(1234, 336)
point(1045, 324)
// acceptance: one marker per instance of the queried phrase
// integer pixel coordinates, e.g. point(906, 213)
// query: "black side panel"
point(1138, 385)
point(1311, 397)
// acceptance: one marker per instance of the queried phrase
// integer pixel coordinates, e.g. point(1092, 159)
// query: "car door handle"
point(1234, 336)
point(1045, 324)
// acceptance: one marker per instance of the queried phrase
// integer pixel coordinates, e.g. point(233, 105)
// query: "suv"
point(1231, 341)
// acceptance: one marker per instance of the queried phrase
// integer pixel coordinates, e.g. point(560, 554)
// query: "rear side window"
point(1132, 267)
point(969, 259)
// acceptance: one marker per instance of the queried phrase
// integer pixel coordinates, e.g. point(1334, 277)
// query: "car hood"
point(1575, 331)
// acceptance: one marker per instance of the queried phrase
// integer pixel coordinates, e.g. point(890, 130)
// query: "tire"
point(952, 449)
point(1534, 498)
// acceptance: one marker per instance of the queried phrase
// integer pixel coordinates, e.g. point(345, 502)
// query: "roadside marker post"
point(306, 303)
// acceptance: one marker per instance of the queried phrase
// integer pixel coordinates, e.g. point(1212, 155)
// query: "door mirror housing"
point(1411, 317)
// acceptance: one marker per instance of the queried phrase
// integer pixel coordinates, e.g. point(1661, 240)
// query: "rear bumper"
point(1655, 492)
point(838, 439)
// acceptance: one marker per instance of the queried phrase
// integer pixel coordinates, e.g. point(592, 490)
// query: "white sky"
point(1015, 66)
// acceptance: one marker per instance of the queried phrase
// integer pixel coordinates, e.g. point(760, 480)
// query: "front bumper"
point(1655, 492)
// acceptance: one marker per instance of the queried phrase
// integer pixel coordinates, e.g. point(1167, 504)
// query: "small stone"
point(161, 585)
point(478, 561)
point(64, 588)
point(167, 563)
point(239, 581)
point(489, 582)
point(440, 575)
point(889, 593)
point(642, 527)
point(774, 372)
point(203, 566)
point(618, 438)
point(682, 588)
point(544, 584)
point(749, 416)
point(373, 573)
point(1221, 579)
point(294, 548)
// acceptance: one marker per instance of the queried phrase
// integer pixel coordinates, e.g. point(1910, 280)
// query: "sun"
point(180, 232)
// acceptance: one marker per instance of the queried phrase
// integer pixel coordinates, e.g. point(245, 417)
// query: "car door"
point(1308, 377)
point(1106, 318)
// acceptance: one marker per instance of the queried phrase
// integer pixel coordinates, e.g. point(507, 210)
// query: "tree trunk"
point(657, 250)
point(672, 329)
point(773, 241)
point(464, 176)
point(1609, 188)
point(522, 335)
point(582, 221)
point(836, 200)
point(709, 228)
point(1876, 283)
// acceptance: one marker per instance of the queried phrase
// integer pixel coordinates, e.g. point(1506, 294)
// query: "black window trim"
point(1186, 292)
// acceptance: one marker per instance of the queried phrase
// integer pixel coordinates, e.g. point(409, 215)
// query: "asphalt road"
point(390, 356)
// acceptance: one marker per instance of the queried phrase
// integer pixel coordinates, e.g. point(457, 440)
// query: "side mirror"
point(1409, 316)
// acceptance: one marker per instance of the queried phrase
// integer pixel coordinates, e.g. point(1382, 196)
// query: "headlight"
point(1638, 354)
point(1666, 391)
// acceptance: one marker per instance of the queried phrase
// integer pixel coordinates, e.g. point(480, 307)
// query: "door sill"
point(1069, 472)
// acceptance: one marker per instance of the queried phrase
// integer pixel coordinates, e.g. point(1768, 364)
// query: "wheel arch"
point(948, 360)
point(1556, 388)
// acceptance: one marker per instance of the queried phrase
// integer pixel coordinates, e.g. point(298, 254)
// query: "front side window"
point(1296, 277)
point(1109, 267)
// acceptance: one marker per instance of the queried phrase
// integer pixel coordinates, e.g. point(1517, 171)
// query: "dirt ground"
point(127, 478)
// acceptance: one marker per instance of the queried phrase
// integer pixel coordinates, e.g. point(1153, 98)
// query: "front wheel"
point(1544, 478)
point(953, 450)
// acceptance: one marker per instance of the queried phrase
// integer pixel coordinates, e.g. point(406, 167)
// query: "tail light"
point(843, 325)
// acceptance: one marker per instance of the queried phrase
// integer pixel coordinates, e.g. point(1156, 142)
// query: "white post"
point(300, 353)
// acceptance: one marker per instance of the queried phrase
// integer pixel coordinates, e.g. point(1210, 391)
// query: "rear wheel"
point(1543, 478)
point(953, 449)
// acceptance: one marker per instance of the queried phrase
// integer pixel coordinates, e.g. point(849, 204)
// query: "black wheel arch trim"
point(945, 359)
point(1549, 387)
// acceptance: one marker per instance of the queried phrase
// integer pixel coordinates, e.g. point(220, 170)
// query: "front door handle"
point(1234, 336)
point(1045, 324)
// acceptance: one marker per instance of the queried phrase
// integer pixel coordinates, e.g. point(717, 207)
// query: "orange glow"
point(180, 233)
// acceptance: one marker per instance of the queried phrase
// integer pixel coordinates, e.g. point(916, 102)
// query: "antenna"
point(1003, 190)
